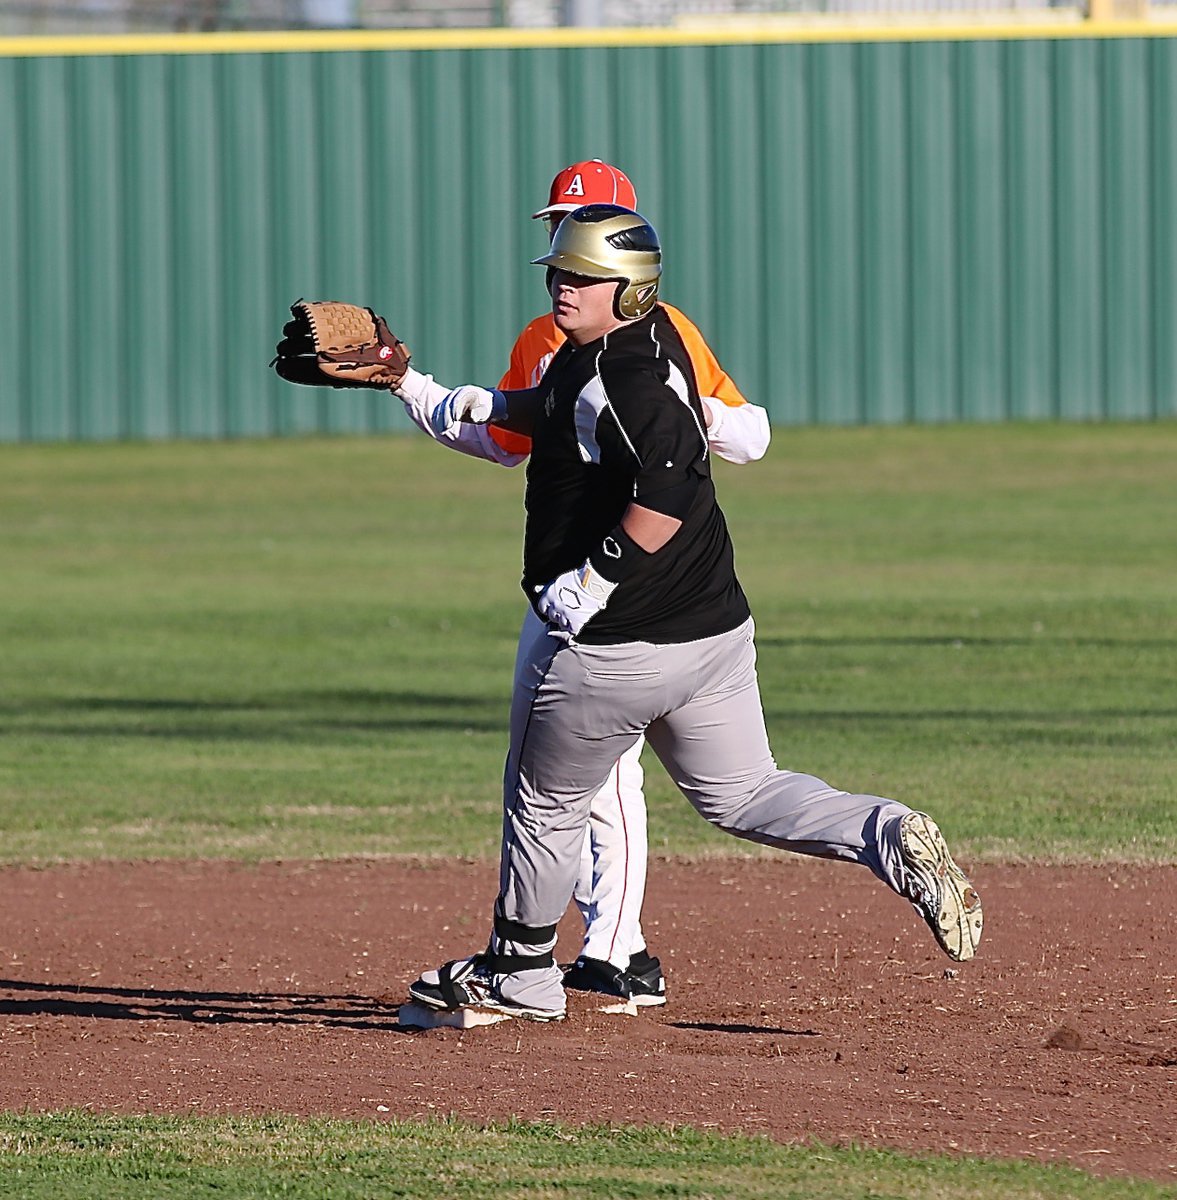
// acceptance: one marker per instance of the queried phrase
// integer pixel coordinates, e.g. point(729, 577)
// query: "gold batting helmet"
point(606, 241)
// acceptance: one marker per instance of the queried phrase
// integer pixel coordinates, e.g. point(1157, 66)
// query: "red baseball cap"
point(588, 182)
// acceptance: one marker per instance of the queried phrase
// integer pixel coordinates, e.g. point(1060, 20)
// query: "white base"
point(625, 1008)
point(419, 1016)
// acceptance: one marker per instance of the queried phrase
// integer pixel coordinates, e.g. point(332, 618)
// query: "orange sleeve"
point(530, 356)
point(513, 443)
point(712, 379)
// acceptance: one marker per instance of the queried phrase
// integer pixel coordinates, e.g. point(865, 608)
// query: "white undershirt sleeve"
point(738, 433)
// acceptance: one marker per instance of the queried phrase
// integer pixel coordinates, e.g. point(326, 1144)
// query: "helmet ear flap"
point(634, 300)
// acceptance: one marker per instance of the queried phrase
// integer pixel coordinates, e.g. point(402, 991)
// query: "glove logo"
point(385, 351)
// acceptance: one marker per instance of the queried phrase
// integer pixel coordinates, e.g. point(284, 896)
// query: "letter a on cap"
point(589, 182)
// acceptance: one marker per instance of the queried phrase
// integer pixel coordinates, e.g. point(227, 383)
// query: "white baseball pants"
point(611, 881)
point(577, 709)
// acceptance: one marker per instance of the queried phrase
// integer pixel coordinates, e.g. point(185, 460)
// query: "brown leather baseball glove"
point(331, 344)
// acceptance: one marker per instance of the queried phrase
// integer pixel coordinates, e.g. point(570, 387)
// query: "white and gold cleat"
point(939, 889)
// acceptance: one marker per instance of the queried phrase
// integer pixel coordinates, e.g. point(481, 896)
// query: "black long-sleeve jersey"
point(619, 420)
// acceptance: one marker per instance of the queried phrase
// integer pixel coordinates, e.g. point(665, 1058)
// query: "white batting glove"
point(469, 404)
point(571, 599)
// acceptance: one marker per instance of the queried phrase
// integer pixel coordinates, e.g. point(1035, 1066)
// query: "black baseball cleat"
point(641, 984)
point(645, 968)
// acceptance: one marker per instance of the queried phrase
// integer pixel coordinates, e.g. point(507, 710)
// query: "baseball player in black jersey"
point(628, 561)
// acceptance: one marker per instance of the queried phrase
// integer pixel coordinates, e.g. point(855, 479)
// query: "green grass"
point(279, 649)
point(79, 1156)
point(304, 648)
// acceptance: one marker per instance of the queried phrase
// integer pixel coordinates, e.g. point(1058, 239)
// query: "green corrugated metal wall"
point(870, 232)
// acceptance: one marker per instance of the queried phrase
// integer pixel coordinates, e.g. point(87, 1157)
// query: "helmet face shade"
point(606, 241)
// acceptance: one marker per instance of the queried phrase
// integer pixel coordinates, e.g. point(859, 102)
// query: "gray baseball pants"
point(576, 709)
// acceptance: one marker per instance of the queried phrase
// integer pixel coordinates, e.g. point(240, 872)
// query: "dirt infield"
point(806, 1002)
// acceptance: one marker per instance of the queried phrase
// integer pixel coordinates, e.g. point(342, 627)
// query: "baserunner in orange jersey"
point(614, 959)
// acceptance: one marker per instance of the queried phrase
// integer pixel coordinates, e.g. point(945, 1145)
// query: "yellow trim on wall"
point(791, 30)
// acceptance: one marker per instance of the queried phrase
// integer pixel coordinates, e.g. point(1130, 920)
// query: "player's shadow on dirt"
point(715, 1027)
point(198, 1008)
